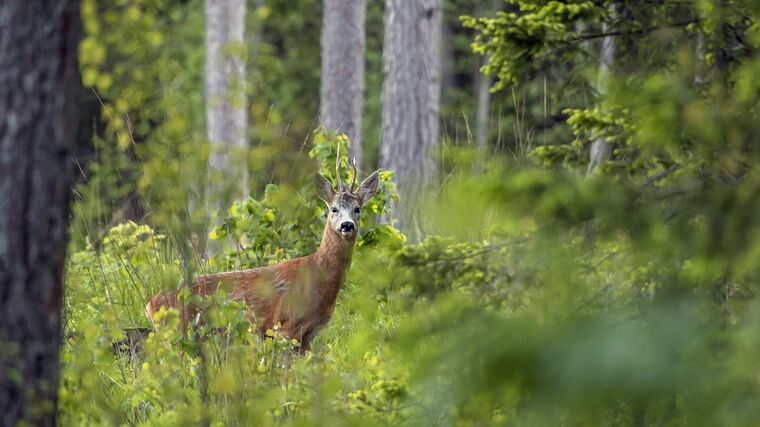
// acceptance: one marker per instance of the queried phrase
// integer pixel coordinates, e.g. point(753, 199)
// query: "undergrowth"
point(534, 305)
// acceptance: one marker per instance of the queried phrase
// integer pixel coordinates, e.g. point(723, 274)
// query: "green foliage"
point(286, 224)
point(326, 146)
point(246, 378)
point(544, 297)
point(482, 270)
point(560, 40)
point(122, 271)
point(652, 252)
point(588, 125)
point(264, 232)
point(524, 41)
point(144, 59)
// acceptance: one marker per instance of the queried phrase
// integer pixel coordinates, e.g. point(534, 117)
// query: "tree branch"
point(583, 37)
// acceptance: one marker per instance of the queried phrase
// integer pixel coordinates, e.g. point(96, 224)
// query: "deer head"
point(345, 203)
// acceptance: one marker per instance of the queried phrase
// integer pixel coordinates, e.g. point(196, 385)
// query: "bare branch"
point(583, 37)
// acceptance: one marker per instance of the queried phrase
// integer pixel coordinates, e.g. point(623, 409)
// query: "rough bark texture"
point(341, 95)
point(36, 81)
point(226, 116)
point(601, 150)
point(411, 100)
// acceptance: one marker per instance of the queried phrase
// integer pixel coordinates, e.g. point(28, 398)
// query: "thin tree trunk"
point(342, 80)
point(254, 38)
point(601, 150)
point(448, 54)
point(226, 115)
point(483, 103)
point(411, 101)
point(37, 77)
point(483, 110)
point(699, 53)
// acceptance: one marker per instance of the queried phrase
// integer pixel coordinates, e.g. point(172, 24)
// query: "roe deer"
point(298, 294)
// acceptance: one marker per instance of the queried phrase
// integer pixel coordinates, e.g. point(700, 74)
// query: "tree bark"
point(37, 80)
point(601, 150)
point(483, 99)
point(483, 110)
point(411, 101)
point(699, 53)
point(341, 94)
point(226, 115)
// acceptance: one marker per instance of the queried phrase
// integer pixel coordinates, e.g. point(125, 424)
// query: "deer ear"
point(324, 188)
point(368, 187)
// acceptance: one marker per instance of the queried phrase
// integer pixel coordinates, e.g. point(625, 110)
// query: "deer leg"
point(306, 339)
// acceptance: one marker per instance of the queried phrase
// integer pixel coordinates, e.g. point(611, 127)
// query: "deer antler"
point(353, 174)
point(341, 185)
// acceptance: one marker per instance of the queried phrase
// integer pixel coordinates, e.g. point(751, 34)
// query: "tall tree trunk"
point(226, 111)
point(483, 102)
point(601, 150)
point(341, 95)
point(411, 101)
point(483, 109)
point(37, 77)
point(699, 53)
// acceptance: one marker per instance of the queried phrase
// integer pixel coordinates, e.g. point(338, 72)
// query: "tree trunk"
point(601, 150)
point(699, 53)
point(37, 77)
point(226, 115)
point(483, 109)
point(483, 97)
point(483, 103)
point(341, 95)
point(411, 98)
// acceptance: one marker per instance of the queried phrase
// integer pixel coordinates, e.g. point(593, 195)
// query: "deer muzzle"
point(347, 227)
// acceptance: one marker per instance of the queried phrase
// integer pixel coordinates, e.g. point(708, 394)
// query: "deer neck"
point(334, 256)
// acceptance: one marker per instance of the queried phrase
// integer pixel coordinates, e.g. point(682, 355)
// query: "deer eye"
point(357, 210)
point(334, 210)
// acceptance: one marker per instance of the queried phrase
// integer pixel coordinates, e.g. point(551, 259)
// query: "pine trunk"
point(483, 110)
point(37, 79)
point(601, 150)
point(411, 101)
point(342, 79)
point(483, 100)
point(226, 115)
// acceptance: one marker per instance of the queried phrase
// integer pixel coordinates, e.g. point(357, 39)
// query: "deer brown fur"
point(298, 294)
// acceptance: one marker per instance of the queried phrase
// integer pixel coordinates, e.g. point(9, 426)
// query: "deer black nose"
point(347, 226)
